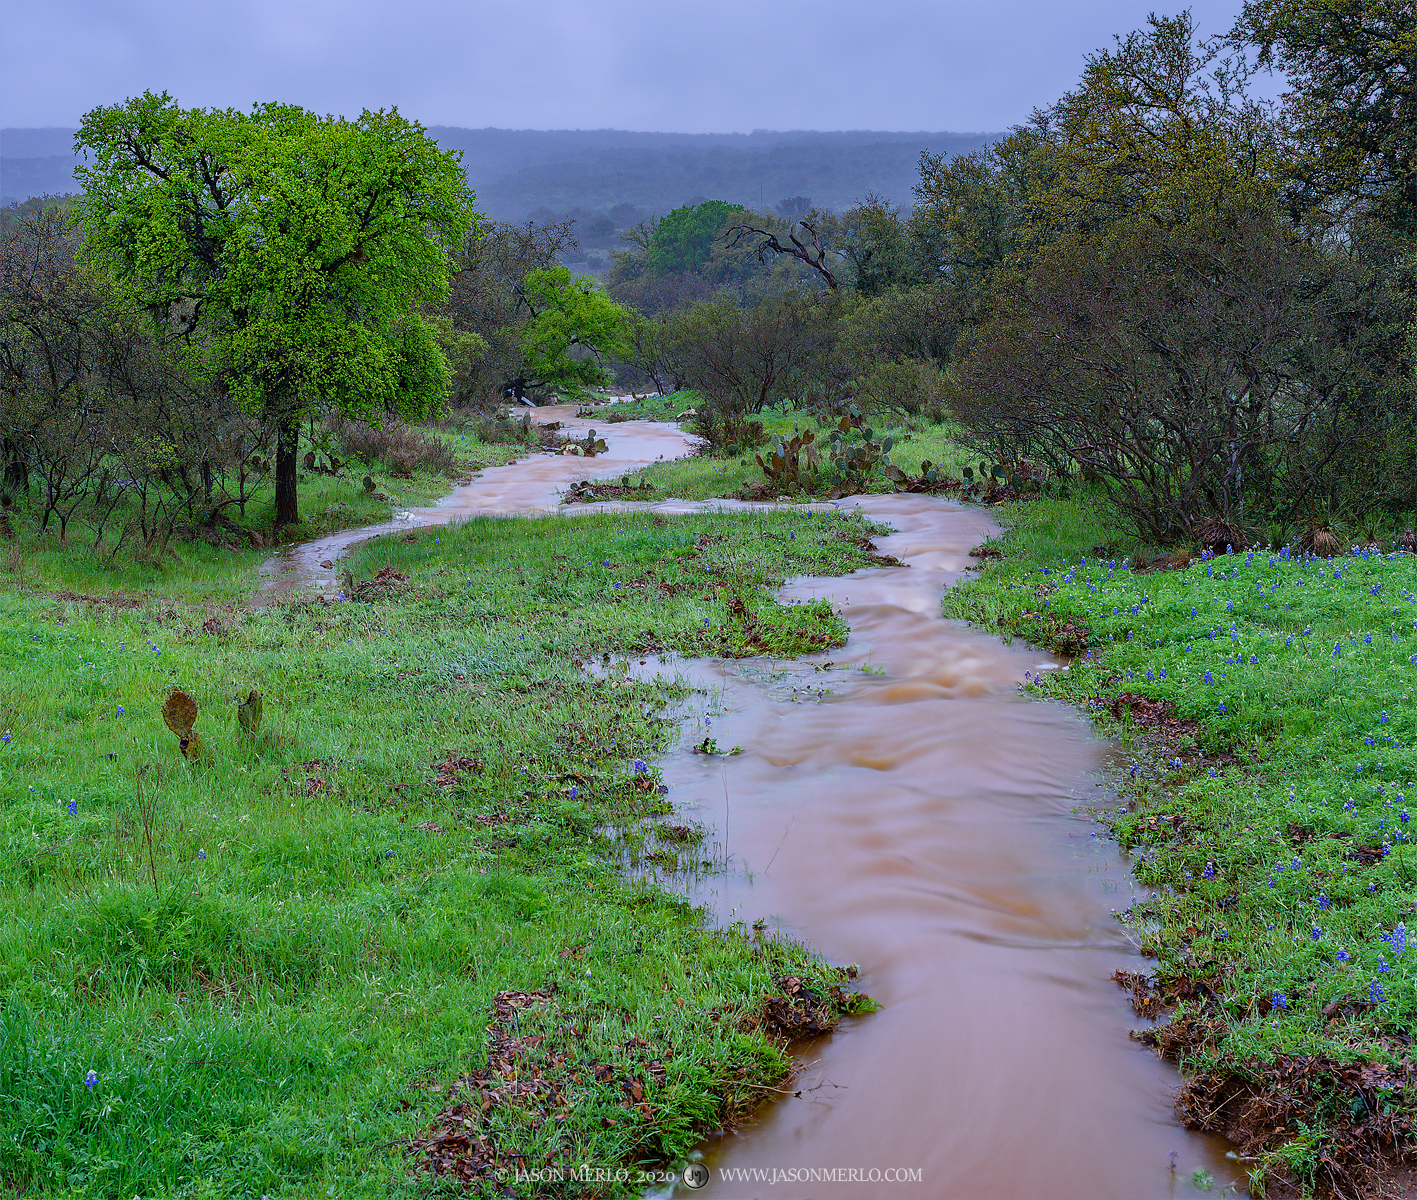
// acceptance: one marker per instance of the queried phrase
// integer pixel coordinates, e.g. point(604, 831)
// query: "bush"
point(911, 388)
point(399, 448)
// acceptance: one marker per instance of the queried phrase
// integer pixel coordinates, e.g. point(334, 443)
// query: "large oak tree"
point(288, 250)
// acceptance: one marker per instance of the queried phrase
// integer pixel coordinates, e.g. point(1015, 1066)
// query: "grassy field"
point(1265, 705)
point(261, 971)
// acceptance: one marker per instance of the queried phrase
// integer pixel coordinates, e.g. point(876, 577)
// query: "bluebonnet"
point(1342, 956)
point(1280, 1000)
point(73, 808)
point(91, 1080)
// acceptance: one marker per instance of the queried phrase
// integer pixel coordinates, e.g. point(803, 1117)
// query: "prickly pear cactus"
point(248, 714)
point(179, 713)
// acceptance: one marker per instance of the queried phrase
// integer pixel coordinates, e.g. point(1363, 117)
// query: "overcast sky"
point(695, 66)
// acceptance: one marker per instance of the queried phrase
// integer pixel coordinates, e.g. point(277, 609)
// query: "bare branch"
point(816, 258)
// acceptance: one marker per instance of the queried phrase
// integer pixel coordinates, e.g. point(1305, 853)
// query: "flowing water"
point(899, 805)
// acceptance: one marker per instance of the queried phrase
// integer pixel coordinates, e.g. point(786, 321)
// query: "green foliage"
point(569, 314)
point(1350, 122)
point(683, 239)
point(287, 251)
point(248, 714)
point(855, 453)
point(790, 462)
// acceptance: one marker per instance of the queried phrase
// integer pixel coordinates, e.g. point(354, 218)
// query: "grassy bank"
point(1265, 702)
point(707, 477)
point(218, 564)
point(262, 971)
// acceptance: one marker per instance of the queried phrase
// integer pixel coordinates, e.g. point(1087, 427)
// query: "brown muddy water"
point(898, 804)
point(529, 487)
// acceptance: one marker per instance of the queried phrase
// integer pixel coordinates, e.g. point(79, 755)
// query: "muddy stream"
point(905, 809)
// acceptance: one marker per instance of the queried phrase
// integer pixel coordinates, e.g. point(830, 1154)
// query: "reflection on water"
point(898, 804)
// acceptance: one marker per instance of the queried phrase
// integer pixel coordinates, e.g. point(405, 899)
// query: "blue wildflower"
point(73, 808)
point(91, 1080)
point(1279, 1000)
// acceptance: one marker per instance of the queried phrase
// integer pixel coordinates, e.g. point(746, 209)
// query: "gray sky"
point(721, 66)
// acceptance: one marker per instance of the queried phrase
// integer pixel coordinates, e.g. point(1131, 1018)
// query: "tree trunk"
point(287, 446)
point(17, 473)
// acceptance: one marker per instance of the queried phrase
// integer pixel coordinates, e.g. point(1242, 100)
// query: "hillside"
point(519, 172)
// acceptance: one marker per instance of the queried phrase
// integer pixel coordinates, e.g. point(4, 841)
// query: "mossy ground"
point(274, 958)
point(1265, 701)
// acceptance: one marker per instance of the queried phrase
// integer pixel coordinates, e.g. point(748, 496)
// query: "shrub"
point(399, 448)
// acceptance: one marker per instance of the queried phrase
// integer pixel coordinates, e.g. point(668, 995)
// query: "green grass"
point(1272, 822)
point(704, 477)
point(649, 408)
point(274, 958)
point(194, 570)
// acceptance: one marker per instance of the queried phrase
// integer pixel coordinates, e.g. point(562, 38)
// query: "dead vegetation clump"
point(387, 584)
point(1216, 534)
point(1321, 542)
point(401, 449)
point(589, 491)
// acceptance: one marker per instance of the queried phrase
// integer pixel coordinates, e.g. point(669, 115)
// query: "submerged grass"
point(256, 972)
point(1266, 701)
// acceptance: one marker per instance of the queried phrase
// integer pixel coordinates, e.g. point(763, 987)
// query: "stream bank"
point(899, 805)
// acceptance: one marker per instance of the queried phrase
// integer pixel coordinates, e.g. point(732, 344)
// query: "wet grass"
point(704, 477)
point(1266, 706)
point(649, 408)
point(254, 973)
point(192, 568)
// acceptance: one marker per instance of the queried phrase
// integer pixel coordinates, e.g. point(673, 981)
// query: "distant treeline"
point(518, 172)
